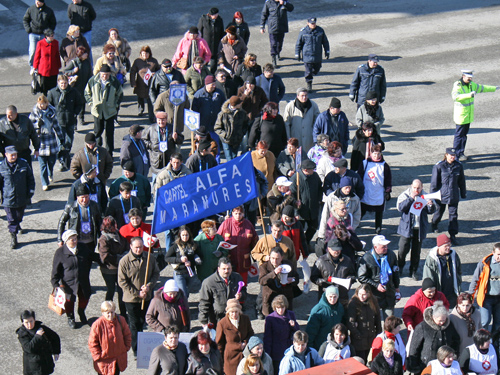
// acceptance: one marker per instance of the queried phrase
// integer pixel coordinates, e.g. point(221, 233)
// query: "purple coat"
point(278, 333)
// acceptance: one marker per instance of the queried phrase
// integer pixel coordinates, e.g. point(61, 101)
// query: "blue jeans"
point(229, 151)
point(490, 309)
point(46, 167)
point(33, 39)
point(183, 281)
point(88, 36)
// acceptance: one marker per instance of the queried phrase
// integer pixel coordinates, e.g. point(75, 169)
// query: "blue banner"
point(203, 194)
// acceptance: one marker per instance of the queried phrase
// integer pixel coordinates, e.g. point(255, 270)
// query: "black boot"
point(71, 321)
point(309, 86)
point(435, 228)
point(275, 62)
point(13, 240)
point(81, 314)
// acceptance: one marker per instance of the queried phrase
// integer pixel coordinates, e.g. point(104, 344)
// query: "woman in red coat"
point(240, 232)
point(109, 341)
point(233, 333)
point(47, 61)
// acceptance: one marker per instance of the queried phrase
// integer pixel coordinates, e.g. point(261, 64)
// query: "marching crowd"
point(306, 186)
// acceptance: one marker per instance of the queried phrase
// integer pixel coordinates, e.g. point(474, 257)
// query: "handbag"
point(72, 80)
point(55, 301)
point(182, 63)
point(35, 84)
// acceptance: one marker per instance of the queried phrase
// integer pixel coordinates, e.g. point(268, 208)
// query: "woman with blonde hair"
point(445, 364)
point(388, 361)
point(109, 341)
point(363, 320)
point(233, 333)
point(69, 45)
point(208, 249)
point(140, 73)
point(44, 118)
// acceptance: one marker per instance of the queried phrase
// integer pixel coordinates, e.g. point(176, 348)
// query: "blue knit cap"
point(253, 342)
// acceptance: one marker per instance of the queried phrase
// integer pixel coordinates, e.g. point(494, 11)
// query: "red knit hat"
point(442, 239)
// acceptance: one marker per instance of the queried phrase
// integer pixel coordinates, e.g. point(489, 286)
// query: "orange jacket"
point(482, 283)
point(109, 343)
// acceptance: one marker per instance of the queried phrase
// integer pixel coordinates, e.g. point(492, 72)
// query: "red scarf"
point(209, 238)
point(268, 116)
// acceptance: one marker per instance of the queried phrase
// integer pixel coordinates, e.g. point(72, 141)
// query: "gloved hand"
point(398, 296)
point(387, 196)
point(498, 87)
point(472, 94)
point(298, 57)
point(327, 55)
point(381, 100)
point(351, 97)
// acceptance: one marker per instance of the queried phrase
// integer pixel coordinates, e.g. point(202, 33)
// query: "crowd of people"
point(305, 186)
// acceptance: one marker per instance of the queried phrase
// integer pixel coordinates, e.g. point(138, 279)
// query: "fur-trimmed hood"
point(428, 319)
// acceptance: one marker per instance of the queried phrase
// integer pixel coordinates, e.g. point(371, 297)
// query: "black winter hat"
point(428, 283)
point(289, 211)
point(335, 103)
point(82, 189)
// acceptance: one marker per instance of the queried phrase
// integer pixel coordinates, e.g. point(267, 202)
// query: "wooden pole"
point(298, 185)
point(147, 269)
point(263, 225)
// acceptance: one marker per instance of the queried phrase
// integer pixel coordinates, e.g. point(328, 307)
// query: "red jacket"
point(413, 313)
point(129, 232)
point(243, 235)
point(296, 233)
point(47, 59)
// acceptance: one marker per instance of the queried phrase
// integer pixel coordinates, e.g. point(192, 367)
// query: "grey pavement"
point(422, 46)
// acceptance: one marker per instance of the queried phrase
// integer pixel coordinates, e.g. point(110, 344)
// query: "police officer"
point(275, 14)
point(308, 48)
point(463, 93)
point(368, 77)
point(17, 185)
point(448, 178)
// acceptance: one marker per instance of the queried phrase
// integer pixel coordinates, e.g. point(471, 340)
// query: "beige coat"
point(131, 275)
point(266, 165)
point(300, 125)
point(265, 244)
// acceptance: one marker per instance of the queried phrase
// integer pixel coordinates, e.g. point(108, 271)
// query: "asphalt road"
point(422, 46)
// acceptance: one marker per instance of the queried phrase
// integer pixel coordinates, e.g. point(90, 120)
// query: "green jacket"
point(321, 321)
point(463, 112)
point(205, 251)
point(105, 103)
point(140, 183)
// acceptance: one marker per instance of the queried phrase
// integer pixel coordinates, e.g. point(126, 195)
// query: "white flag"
point(147, 76)
point(418, 206)
point(226, 245)
point(147, 239)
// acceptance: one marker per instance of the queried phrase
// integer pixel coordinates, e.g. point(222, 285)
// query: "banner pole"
point(263, 224)
point(147, 269)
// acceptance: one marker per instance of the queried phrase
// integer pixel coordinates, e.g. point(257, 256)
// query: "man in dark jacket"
point(37, 18)
point(379, 269)
point(310, 43)
point(334, 123)
point(231, 126)
point(81, 13)
point(18, 130)
point(368, 77)
point(412, 228)
point(271, 83)
point(225, 84)
point(161, 140)
point(68, 103)
point(202, 159)
point(208, 101)
point(448, 178)
point(41, 345)
point(17, 186)
point(211, 28)
point(96, 188)
point(92, 155)
point(216, 290)
point(83, 216)
point(310, 188)
point(141, 186)
point(161, 80)
point(333, 264)
point(332, 179)
point(134, 150)
point(275, 13)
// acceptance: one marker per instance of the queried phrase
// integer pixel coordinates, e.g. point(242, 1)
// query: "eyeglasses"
point(111, 53)
point(343, 209)
point(252, 60)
